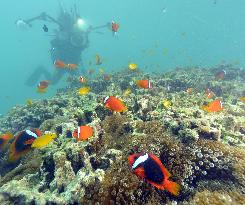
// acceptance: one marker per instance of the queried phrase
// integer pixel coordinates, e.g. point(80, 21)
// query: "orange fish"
point(189, 90)
point(149, 167)
point(98, 60)
point(22, 143)
point(114, 104)
point(114, 27)
point(146, 84)
point(4, 139)
point(214, 106)
point(71, 66)
point(209, 93)
point(82, 79)
point(83, 133)
point(59, 64)
point(220, 75)
point(43, 84)
point(242, 99)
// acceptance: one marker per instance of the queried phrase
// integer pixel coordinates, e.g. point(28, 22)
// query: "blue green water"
point(157, 35)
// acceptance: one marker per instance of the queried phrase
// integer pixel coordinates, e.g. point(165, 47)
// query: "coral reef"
point(204, 152)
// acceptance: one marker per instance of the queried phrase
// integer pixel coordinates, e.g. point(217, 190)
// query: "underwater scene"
point(128, 102)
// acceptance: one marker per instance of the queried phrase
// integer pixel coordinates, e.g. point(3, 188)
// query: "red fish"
point(22, 143)
point(146, 84)
point(214, 106)
point(59, 64)
point(4, 139)
point(43, 84)
point(82, 79)
point(209, 93)
point(83, 133)
point(114, 27)
point(114, 104)
point(149, 167)
point(220, 75)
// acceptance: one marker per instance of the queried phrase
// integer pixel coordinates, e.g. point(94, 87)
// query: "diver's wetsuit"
point(68, 45)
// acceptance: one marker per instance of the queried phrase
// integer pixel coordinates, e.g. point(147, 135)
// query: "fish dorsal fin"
point(158, 161)
point(78, 132)
point(29, 132)
point(140, 160)
point(106, 99)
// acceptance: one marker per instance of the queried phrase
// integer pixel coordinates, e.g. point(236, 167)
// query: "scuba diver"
point(68, 42)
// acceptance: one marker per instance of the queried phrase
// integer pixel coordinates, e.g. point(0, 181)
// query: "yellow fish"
point(83, 90)
point(127, 92)
point(167, 103)
point(132, 66)
point(98, 60)
point(41, 90)
point(101, 71)
point(43, 141)
point(29, 102)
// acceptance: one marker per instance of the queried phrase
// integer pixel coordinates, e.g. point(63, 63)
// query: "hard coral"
point(217, 198)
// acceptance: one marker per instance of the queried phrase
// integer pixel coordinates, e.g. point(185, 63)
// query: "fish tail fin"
point(172, 187)
point(125, 109)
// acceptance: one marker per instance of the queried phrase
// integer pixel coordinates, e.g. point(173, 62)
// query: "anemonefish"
point(220, 75)
point(59, 64)
point(43, 84)
point(114, 27)
point(146, 84)
point(213, 106)
point(98, 60)
point(4, 139)
point(209, 93)
point(149, 167)
point(83, 133)
point(82, 79)
point(22, 143)
point(114, 104)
